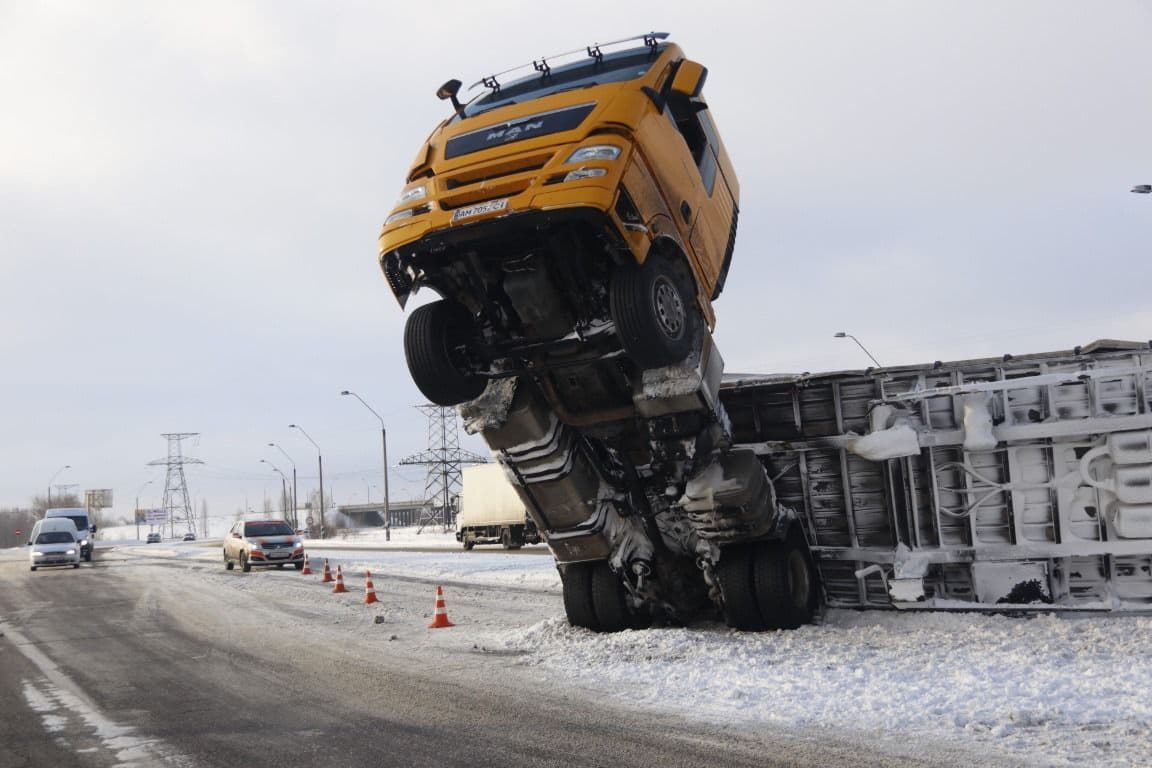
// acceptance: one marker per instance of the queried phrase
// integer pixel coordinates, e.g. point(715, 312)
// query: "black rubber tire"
point(468, 544)
point(88, 556)
point(785, 584)
point(75, 565)
point(228, 564)
point(506, 539)
point(244, 564)
point(655, 314)
point(31, 567)
point(429, 335)
point(279, 566)
point(298, 566)
point(578, 606)
point(609, 600)
point(735, 574)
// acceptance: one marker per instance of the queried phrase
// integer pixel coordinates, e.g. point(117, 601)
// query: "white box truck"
point(491, 512)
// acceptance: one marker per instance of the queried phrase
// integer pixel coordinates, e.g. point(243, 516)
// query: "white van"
point(84, 528)
point(54, 542)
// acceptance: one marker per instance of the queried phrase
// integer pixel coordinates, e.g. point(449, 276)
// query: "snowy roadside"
point(1048, 690)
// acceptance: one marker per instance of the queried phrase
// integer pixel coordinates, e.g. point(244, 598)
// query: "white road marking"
point(59, 702)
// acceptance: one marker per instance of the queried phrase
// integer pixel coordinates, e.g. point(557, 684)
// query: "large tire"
point(31, 567)
point(429, 336)
point(244, 564)
point(785, 584)
point(299, 566)
point(577, 578)
point(506, 539)
point(609, 598)
point(655, 314)
point(88, 556)
point(735, 574)
point(469, 542)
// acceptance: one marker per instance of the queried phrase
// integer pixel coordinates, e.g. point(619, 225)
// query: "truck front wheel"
point(577, 578)
point(431, 335)
point(654, 311)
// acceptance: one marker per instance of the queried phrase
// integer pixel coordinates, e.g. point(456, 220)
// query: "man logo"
point(513, 132)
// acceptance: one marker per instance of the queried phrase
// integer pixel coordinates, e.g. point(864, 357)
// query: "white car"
point(54, 547)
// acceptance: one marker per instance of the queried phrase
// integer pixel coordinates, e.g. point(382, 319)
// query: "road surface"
point(142, 659)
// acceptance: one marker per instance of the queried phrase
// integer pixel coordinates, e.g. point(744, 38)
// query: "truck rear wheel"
point(430, 334)
point(577, 578)
point(610, 600)
point(734, 571)
point(469, 542)
point(785, 584)
point(655, 314)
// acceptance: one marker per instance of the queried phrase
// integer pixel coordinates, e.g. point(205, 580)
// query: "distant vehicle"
point(491, 512)
point(262, 543)
point(54, 545)
point(153, 538)
point(84, 527)
point(189, 537)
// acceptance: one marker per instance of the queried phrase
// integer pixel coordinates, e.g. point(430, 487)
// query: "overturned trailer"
point(1021, 483)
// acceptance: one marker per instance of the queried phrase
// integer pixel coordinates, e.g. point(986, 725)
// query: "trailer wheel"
point(469, 542)
point(655, 315)
point(785, 584)
point(735, 574)
point(511, 540)
point(430, 334)
point(577, 578)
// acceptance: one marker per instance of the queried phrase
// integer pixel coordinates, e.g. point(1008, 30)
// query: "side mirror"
point(689, 79)
point(92, 529)
point(449, 91)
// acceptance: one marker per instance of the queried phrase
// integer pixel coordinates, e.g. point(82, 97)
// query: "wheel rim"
point(798, 578)
point(668, 308)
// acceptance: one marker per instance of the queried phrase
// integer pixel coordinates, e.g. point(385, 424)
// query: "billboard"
point(99, 498)
point(151, 516)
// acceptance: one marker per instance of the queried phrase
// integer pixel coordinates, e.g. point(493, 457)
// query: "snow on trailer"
point(1022, 483)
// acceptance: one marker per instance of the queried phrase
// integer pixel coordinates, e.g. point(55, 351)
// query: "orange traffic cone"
point(369, 589)
point(327, 577)
point(339, 581)
point(305, 571)
point(440, 620)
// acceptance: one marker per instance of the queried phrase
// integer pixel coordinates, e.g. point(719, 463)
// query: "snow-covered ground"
point(1044, 690)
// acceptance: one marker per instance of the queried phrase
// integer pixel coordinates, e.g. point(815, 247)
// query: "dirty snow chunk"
point(699, 492)
point(978, 422)
point(891, 443)
point(490, 409)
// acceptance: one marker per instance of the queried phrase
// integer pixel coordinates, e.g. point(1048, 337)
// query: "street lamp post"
point(48, 498)
point(843, 335)
point(320, 465)
point(136, 509)
point(283, 487)
point(384, 444)
point(295, 498)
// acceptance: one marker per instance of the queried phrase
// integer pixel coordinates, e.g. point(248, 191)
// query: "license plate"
point(480, 208)
point(279, 553)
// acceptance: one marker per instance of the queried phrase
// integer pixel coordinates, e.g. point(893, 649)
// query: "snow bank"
point(1058, 691)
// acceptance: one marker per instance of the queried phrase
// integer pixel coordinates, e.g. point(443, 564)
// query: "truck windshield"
point(613, 68)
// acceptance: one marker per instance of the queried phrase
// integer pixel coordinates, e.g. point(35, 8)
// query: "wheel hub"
point(668, 307)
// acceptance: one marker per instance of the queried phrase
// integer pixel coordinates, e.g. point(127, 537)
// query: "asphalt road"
point(133, 661)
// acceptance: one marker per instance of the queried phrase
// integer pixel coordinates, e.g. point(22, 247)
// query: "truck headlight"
point(415, 193)
point(70, 552)
point(585, 173)
point(594, 152)
point(408, 213)
point(84, 543)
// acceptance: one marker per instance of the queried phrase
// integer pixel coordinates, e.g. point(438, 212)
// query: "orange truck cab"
point(576, 222)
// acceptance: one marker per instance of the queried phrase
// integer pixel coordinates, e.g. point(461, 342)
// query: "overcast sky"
point(190, 196)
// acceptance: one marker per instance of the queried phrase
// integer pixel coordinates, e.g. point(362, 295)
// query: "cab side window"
point(693, 122)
